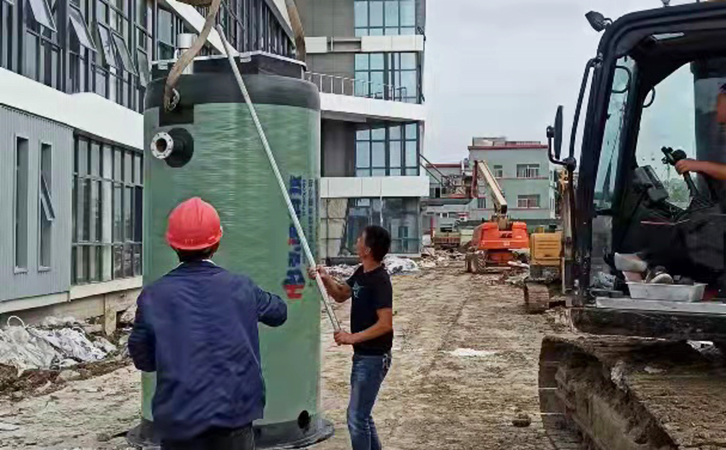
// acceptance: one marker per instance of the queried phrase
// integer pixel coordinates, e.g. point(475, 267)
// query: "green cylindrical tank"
point(208, 147)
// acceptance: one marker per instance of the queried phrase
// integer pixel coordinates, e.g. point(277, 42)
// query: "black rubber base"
point(285, 435)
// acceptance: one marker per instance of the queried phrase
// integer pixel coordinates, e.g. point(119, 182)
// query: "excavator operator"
point(714, 170)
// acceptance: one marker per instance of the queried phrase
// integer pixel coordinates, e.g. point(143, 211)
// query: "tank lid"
point(249, 63)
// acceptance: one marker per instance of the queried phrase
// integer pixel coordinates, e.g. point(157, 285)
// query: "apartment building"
point(73, 76)
point(524, 172)
point(367, 58)
point(522, 169)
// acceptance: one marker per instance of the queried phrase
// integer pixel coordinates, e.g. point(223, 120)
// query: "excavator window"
point(668, 94)
point(610, 152)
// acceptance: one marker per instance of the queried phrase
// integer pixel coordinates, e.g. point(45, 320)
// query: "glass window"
point(395, 132)
point(377, 61)
point(364, 134)
point(107, 46)
point(610, 152)
point(42, 13)
point(527, 170)
point(78, 24)
point(391, 14)
point(361, 14)
point(408, 15)
point(22, 174)
point(107, 214)
point(411, 154)
point(47, 210)
point(387, 149)
point(123, 54)
point(395, 155)
point(361, 61)
point(363, 152)
point(408, 61)
point(392, 17)
point(498, 171)
point(375, 14)
point(378, 155)
point(144, 68)
point(481, 203)
point(670, 121)
point(528, 201)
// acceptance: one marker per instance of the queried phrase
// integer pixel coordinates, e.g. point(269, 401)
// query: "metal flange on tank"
point(207, 146)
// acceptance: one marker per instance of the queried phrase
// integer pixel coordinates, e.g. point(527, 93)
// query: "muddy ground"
point(465, 364)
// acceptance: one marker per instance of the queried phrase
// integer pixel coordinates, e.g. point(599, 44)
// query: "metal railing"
point(333, 84)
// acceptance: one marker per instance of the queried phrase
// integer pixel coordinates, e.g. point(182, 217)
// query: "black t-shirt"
point(371, 291)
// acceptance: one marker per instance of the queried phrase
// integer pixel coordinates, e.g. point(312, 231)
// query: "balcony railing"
point(332, 84)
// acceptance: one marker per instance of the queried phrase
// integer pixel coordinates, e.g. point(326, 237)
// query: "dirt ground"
point(465, 364)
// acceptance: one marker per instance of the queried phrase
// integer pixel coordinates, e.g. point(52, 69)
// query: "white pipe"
point(271, 158)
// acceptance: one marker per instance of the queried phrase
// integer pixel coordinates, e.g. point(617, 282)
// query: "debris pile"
point(431, 257)
point(394, 265)
point(53, 345)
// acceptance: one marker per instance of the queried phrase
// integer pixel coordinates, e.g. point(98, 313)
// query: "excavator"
point(643, 366)
point(493, 241)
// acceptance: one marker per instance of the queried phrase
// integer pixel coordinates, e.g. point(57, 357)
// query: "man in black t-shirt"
point(371, 324)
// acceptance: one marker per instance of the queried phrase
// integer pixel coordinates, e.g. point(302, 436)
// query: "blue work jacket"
point(196, 327)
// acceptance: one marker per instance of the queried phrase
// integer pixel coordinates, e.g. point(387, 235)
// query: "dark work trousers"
point(216, 439)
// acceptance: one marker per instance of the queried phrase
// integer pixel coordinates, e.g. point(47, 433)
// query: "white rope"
point(16, 318)
point(283, 189)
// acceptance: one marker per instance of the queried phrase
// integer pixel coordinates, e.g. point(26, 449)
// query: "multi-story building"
point(523, 171)
point(73, 75)
point(525, 174)
point(367, 57)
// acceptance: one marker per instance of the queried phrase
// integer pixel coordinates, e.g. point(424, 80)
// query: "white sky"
point(501, 67)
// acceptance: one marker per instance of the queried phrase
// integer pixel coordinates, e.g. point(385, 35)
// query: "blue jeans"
point(365, 382)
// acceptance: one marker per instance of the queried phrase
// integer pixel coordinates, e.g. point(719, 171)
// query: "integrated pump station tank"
point(208, 146)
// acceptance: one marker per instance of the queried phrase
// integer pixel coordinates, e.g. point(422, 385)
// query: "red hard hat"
point(193, 225)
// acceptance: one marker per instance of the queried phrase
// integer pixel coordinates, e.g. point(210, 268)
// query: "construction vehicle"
point(493, 241)
point(546, 263)
point(639, 380)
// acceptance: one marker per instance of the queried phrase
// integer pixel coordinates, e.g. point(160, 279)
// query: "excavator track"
point(620, 393)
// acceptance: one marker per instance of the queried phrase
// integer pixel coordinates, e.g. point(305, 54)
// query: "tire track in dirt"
point(434, 398)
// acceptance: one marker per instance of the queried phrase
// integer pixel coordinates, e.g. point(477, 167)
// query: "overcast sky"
point(501, 67)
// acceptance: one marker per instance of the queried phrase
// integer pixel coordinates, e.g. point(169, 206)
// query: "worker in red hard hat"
point(196, 327)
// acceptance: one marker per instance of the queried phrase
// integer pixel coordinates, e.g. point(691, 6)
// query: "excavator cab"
point(657, 95)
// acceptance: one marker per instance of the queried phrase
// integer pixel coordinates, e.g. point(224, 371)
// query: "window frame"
point(391, 74)
point(392, 25)
point(529, 170)
point(21, 269)
point(364, 137)
point(528, 201)
point(80, 29)
point(48, 21)
point(111, 238)
point(45, 189)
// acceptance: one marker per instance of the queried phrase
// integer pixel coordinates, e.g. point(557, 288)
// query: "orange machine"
point(493, 241)
point(498, 244)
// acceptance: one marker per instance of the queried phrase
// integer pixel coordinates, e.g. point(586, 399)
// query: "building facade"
point(367, 56)
point(73, 76)
point(523, 171)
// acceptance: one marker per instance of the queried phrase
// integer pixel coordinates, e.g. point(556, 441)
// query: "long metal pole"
point(283, 189)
